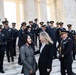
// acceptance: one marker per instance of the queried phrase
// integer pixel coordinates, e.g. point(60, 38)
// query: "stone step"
point(15, 69)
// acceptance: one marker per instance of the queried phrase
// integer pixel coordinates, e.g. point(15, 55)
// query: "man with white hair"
point(65, 56)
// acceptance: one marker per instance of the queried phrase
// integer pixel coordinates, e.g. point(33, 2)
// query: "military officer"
point(21, 32)
point(43, 27)
point(65, 56)
point(41, 23)
point(8, 38)
point(56, 28)
point(2, 50)
point(51, 29)
point(35, 29)
point(14, 37)
point(38, 32)
point(70, 31)
point(58, 33)
point(3, 22)
point(59, 29)
point(29, 32)
point(39, 29)
point(57, 25)
point(61, 26)
point(52, 33)
point(32, 29)
point(74, 45)
point(48, 23)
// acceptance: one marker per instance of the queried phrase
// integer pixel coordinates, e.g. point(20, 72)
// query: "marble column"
point(36, 9)
point(39, 15)
point(69, 11)
point(75, 12)
point(29, 10)
point(1, 10)
point(48, 9)
point(59, 11)
point(43, 10)
point(52, 13)
point(18, 14)
point(24, 9)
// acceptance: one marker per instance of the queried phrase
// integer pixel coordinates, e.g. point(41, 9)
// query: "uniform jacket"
point(33, 29)
point(71, 34)
point(30, 33)
point(14, 33)
point(2, 38)
point(21, 33)
point(66, 50)
point(36, 26)
point(51, 32)
point(8, 34)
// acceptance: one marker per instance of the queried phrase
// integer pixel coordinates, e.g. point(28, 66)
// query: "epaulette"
point(68, 39)
point(59, 32)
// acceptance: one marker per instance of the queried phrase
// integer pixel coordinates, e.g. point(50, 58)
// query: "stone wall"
point(1, 9)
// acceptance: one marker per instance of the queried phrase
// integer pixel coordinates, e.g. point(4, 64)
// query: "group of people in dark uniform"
point(66, 40)
point(8, 38)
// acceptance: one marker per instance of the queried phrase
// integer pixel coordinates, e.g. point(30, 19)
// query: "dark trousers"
point(9, 51)
point(67, 67)
point(19, 58)
point(14, 46)
point(1, 57)
point(35, 40)
point(39, 44)
point(74, 55)
point(55, 50)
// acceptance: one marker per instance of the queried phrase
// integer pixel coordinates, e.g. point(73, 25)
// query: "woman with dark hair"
point(27, 56)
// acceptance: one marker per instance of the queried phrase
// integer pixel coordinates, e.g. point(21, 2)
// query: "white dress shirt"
point(43, 45)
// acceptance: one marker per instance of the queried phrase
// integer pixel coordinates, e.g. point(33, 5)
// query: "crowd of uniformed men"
point(8, 37)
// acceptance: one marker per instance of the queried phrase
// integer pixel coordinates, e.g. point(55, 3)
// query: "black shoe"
point(1, 71)
point(12, 60)
point(8, 60)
